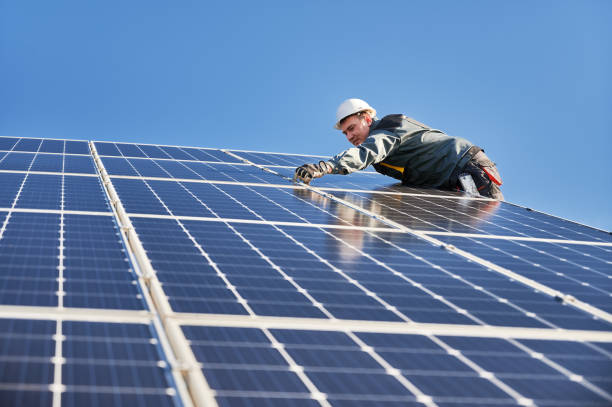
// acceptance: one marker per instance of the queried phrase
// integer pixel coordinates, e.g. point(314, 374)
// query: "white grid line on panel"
point(46, 138)
point(395, 373)
point(8, 216)
point(127, 157)
point(391, 327)
point(231, 150)
point(56, 211)
point(45, 152)
point(75, 314)
point(178, 351)
point(58, 359)
point(260, 222)
point(78, 174)
point(201, 181)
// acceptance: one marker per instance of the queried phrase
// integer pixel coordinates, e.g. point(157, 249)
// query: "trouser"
point(485, 175)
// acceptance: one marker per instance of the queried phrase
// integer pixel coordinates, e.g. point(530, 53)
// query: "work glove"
point(308, 172)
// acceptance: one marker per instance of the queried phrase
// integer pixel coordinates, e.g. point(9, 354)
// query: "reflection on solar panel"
point(144, 275)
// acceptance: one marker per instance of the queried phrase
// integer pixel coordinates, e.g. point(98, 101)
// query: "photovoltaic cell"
point(79, 164)
point(52, 146)
point(11, 182)
point(124, 358)
point(29, 249)
point(76, 147)
point(16, 161)
point(26, 144)
point(97, 271)
point(7, 143)
point(26, 350)
point(238, 360)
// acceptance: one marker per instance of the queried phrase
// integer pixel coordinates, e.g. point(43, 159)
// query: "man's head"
point(353, 118)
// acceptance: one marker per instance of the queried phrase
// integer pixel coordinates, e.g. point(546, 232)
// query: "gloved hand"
point(308, 172)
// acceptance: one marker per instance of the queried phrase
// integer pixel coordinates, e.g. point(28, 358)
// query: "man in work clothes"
point(405, 149)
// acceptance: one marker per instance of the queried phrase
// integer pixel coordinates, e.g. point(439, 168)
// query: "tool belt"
point(453, 180)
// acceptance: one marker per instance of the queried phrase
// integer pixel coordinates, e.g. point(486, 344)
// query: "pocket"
point(488, 167)
point(492, 173)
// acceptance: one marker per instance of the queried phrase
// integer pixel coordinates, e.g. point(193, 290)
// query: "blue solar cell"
point(10, 186)
point(137, 197)
point(547, 390)
point(48, 162)
point(7, 143)
point(52, 146)
point(29, 249)
point(177, 169)
point(255, 380)
point(148, 168)
point(16, 161)
point(79, 164)
point(584, 277)
point(26, 397)
point(177, 153)
point(153, 151)
point(121, 356)
point(197, 154)
point(263, 401)
point(118, 166)
point(218, 155)
point(278, 159)
point(26, 349)
point(232, 172)
point(90, 397)
point(130, 150)
point(104, 148)
point(77, 147)
point(27, 144)
point(95, 258)
point(41, 191)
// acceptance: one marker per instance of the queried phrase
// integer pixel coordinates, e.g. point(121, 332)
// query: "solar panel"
point(135, 274)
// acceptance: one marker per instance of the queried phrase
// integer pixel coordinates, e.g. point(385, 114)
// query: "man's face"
point(356, 128)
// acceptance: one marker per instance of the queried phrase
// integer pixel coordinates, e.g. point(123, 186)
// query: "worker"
point(405, 149)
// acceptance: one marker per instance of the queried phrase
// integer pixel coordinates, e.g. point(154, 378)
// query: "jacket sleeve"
point(374, 149)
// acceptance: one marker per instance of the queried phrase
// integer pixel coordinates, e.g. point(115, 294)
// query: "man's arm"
point(373, 150)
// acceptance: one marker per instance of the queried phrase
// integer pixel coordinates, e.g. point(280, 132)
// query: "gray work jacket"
point(407, 150)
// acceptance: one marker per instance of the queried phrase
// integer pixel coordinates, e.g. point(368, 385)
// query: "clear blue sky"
point(530, 81)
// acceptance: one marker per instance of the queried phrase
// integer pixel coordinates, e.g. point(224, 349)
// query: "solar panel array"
point(148, 275)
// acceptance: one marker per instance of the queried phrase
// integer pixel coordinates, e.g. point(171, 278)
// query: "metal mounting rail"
point(192, 385)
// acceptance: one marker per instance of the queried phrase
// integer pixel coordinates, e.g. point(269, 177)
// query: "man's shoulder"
point(396, 121)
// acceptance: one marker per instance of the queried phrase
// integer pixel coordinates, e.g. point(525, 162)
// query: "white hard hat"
point(350, 107)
